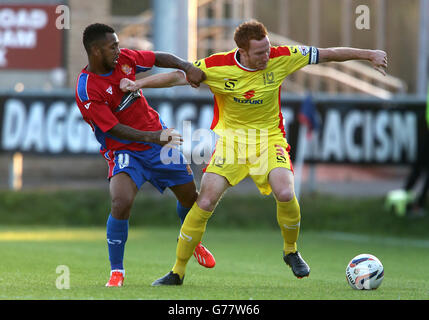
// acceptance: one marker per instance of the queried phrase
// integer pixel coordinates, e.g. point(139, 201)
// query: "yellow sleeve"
point(299, 57)
point(201, 64)
point(213, 76)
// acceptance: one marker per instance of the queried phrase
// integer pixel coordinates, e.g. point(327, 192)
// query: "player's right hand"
point(379, 61)
point(127, 85)
point(169, 138)
point(195, 76)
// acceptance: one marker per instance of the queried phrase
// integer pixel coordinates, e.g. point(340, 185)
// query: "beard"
point(108, 64)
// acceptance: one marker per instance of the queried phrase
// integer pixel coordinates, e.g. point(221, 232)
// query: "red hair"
point(250, 30)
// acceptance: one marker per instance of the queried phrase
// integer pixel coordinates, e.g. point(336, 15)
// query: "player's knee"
point(285, 195)
point(207, 203)
point(121, 207)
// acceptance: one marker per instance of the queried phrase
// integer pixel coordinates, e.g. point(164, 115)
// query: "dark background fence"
point(352, 130)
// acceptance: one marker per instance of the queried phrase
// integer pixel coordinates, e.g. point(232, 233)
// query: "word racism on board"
point(373, 132)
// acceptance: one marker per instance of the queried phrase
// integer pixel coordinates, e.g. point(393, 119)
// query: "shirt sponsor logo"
point(249, 94)
point(230, 84)
point(248, 98)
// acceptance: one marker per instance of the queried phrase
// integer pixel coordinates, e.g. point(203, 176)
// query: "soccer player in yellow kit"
point(246, 83)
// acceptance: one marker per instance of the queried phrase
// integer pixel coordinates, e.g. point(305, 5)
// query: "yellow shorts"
point(235, 161)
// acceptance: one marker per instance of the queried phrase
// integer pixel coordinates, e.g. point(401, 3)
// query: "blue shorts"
point(161, 167)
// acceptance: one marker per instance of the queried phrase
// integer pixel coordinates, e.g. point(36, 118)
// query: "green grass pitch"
point(249, 265)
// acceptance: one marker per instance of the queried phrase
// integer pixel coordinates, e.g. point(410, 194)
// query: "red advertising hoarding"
point(29, 38)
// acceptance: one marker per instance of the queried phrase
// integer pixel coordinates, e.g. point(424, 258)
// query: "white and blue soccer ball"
point(364, 272)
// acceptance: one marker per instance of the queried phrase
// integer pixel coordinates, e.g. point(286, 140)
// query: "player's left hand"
point(127, 85)
point(195, 76)
point(379, 61)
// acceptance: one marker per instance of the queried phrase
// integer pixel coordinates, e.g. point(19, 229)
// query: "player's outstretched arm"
point(161, 80)
point(378, 58)
point(193, 75)
point(168, 137)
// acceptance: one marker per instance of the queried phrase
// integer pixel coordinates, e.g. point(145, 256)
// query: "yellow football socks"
point(288, 218)
point(190, 235)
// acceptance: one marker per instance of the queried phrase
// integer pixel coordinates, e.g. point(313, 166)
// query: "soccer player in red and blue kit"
point(131, 135)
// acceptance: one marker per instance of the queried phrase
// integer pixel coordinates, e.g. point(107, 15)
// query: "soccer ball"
point(364, 272)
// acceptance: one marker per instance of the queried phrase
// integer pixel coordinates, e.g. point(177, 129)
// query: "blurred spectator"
point(406, 201)
point(420, 168)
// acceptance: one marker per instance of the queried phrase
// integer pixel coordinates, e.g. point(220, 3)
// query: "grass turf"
point(319, 212)
point(249, 265)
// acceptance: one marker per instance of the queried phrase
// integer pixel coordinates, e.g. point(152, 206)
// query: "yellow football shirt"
point(248, 99)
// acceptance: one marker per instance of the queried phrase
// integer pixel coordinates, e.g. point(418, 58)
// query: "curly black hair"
point(93, 33)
